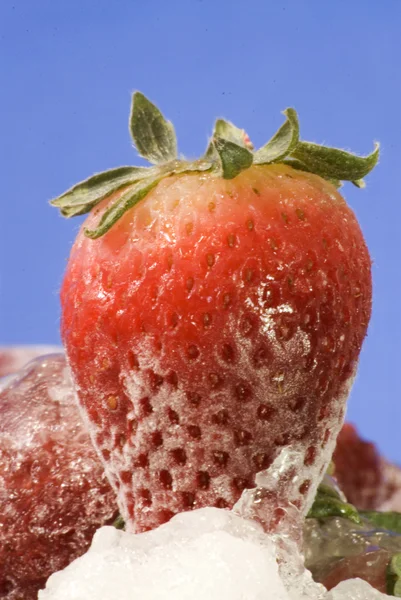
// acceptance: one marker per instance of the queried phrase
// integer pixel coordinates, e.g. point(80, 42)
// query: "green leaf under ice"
point(328, 503)
point(386, 520)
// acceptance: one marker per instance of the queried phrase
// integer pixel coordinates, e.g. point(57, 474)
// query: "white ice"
point(207, 554)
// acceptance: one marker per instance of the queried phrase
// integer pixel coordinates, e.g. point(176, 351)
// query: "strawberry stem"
point(228, 154)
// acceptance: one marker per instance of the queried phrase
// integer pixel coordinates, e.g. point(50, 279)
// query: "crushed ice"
point(206, 554)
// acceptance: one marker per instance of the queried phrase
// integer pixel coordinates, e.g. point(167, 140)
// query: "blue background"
point(67, 70)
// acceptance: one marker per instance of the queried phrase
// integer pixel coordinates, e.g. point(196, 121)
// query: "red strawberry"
point(53, 493)
point(358, 469)
point(213, 313)
point(367, 479)
point(13, 358)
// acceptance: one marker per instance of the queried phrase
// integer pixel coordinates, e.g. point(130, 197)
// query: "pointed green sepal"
point(233, 158)
point(332, 163)
point(282, 143)
point(154, 137)
point(228, 131)
point(81, 198)
point(134, 194)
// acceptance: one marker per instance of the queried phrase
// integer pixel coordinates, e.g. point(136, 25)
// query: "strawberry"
point(13, 358)
point(53, 492)
point(368, 480)
point(358, 468)
point(213, 312)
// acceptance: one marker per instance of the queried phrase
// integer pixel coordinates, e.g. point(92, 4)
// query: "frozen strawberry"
point(13, 358)
point(53, 492)
point(368, 480)
point(390, 498)
point(358, 468)
point(213, 313)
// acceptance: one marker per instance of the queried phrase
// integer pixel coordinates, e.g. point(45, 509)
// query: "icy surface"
point(208, 554)
point(53, 492)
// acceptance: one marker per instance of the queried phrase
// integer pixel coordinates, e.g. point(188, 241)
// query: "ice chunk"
point(355, 589)
point(275, 487)
point(250, 553)
point(53, 493)
point(208, 554)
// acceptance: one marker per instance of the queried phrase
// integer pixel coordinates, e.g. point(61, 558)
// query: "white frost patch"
point(207, 554)
point(268, 318)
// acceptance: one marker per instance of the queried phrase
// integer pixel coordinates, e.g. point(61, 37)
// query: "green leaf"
point(233, 158)
point(82, 197)
point(328, 503)
point(332, 163)
point(386, 520)
point(134, 194)
point(325, 490)
point(282, 143)
point(332, 507)
point(153, 136)
point(393, 576)
point(300, 166)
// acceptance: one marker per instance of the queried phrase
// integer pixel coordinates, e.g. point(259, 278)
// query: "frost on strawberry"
point(213, 312)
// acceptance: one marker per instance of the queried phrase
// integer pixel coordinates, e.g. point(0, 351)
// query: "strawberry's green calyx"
point(228, 154)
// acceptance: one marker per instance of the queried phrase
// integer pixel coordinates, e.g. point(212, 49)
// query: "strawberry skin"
point(215, 323)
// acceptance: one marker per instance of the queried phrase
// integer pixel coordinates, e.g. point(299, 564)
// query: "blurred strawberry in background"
point(53, 491)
